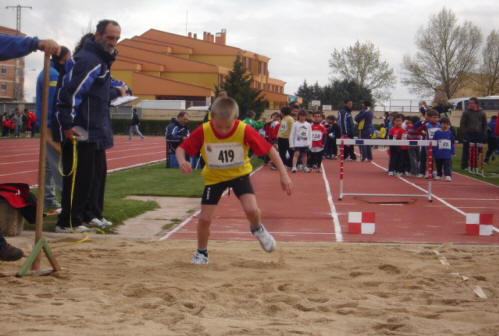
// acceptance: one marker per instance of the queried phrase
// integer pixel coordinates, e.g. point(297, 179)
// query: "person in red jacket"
point(318, 141)
point(271, 128)
point(496, 129)
point(30, 121)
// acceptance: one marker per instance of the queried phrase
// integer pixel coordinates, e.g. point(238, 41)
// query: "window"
point(3, 87)
point(4, 70)
point(259, 67)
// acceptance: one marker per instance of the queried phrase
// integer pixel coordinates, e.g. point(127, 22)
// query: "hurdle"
point(384, 142)
point(475, 156)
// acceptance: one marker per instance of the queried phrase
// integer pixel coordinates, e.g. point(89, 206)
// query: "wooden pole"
point(41, 163)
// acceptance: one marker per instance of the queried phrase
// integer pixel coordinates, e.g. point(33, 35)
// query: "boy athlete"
point(224, 143)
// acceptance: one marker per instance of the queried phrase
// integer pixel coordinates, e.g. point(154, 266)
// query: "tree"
point(362, 64)
point(490, 64)
point(334, 93)
point(238, 86)
point(447, 53)
point(309, 93)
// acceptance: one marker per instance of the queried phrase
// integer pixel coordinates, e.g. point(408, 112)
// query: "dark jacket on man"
point(365, 114)
point(473, 124)
point(175, 133)
point(345, 121)
point(86, 92)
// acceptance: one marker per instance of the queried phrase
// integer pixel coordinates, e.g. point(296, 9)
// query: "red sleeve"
point(392, 131)
point(256, 141)
point(193, 143)
point(496, 130)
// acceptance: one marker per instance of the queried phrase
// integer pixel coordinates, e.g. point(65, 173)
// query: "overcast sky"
point(298, 35)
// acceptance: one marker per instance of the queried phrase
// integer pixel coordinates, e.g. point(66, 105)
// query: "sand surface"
point(121, 286)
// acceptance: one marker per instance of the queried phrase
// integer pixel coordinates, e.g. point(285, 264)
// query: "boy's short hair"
point(302, 113)
point(275, 113)
point(398, 116)
point(414, 119)
point(181, 114)
point(314, 113)
point(331, 117)
point(285, 110)
point(445, 120)
point(225, 108)
point(432, 113)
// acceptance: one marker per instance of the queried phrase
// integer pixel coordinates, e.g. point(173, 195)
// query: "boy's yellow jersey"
point(286, 125)
point(226, 159)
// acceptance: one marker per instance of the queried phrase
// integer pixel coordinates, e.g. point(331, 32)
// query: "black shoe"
point(10, 253)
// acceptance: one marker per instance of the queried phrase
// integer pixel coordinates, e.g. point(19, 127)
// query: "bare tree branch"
point(362, 64)
point(447, 54)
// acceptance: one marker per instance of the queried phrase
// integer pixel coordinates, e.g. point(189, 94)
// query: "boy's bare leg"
point(295, 158)
point(204, 222)
point(250, 207)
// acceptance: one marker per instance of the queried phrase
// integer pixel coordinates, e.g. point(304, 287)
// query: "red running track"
point(307, 215)
point(19, 157)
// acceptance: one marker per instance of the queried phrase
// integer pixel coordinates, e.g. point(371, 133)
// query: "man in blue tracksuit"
point(176, 132)
point(345, 122)
point(13, 47)
point(83, 100)
point(365, 121)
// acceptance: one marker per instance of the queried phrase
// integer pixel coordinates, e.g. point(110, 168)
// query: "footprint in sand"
point(390, 269)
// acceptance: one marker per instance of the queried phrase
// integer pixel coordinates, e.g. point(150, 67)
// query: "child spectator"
point(300, 140)
point(30, 122)
point(333, 131)
point(491, 139)
point(444, 150)
point(413, 133)
point(224, 143)
point(283, 134)
point(318, 140)
point(431, 125)
point(271, 129)
point(396, 159)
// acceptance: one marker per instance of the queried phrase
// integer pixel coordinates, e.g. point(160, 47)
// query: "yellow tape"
point(73, 180)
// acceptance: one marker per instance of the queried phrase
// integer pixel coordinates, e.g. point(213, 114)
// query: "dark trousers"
point(3, 242)
point(88, 194)
point(473, 138)
point(413, 159)
point(491, 147)
point(395, 164)
point(349, 152)
point(316, 159)
point(422, 161)
point(445, 164)
point(5, 131)
point(331, 147)
point(283, 145)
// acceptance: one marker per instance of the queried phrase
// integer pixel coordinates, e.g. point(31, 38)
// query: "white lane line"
point(334, 214)
point(425, 191)
point(21, 172)
point(273, 232)
point(178, 227)
point(135, 165)
point(181, 225)
point(473, 199)
point(136, 155)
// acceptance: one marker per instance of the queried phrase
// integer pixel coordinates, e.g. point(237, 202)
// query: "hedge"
point(148, 127)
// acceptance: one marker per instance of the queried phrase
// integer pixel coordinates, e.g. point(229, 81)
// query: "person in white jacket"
point(300, 140)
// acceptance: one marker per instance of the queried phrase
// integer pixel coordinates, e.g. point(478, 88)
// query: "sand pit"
point(116, 286)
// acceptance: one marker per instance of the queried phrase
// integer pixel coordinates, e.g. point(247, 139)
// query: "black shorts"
point(301, 149)
point(240, 185)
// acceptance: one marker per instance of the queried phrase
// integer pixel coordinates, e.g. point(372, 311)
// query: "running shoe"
point(437, 178)
point(390, 173)
point(199, 259)
point(267, 242)
point(448, 178)
point(293, 170)
point(67, 229)
point(10, 253)
point(306, 170)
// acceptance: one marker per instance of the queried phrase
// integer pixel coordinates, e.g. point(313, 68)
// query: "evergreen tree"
point(238, 86)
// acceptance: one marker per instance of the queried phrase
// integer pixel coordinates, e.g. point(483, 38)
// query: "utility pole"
point(19, 72)
point(18, 15)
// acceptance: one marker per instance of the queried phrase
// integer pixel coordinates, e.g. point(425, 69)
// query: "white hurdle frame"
point(384, 142)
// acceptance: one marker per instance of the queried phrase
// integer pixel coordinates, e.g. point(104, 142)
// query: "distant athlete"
point(224, 143)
